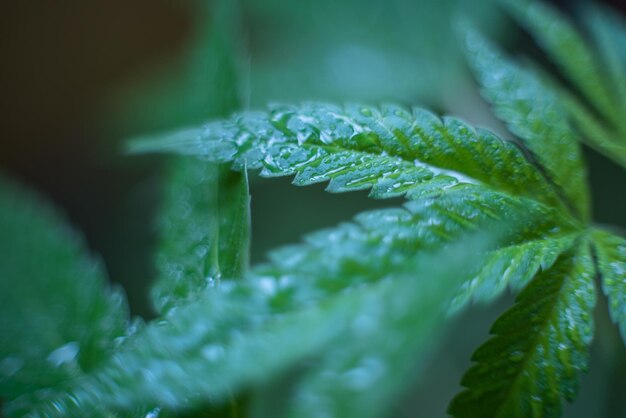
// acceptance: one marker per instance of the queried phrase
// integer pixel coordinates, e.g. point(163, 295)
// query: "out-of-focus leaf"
point(205, 230)
point(598, 75)
point(609, 31)
point(384, 345)
point(58, 317)
point(539, 348)
point(593, 131)
point(205, 219)
point(176, 362)
point(304, 301)
point(234, 223)
point(565, 45)
point(533, 113)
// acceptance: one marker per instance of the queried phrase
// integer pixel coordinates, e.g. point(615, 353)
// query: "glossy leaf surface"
point(539, 347)
point(569, 50)
point(595, 64)
point(611, 252)
point(301, 304)
point(390, 150)
point(533, 113)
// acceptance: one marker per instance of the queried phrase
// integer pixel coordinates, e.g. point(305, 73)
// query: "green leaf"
point(390, 150)
point(609, 31)
point(188, 363)
point(205, 230)
point(180, 361)
point(570, 52)
point(234, 222)
point(58, 317)
point(601, 76)
point(533, 113)
point(513, 266)
point(205, 217)
point(539, 348)
point(429, 224)
point(604, 130)
point(593, 132)
point(302, 302)
point(611, 258)
point(386, 343)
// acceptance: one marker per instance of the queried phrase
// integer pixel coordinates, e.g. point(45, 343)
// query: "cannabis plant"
point(340, 324)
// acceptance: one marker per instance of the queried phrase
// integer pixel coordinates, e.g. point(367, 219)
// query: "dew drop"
point(213, 352)
point(267, 285)
point(64, 354)
point(154, 413)
point(618, 268)
point(201, 251)
point(285, 282)
point(212, 281)
point(364, 324)
point(365, 375)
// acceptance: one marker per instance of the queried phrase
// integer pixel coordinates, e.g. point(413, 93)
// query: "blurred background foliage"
point(78, 77)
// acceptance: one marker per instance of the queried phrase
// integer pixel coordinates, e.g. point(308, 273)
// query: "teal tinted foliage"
point(350, 314)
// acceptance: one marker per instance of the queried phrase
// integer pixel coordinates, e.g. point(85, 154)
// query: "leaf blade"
point(558, 37)
point(368, 367)
point(219, 368)
point(609, 32)
point(205, 230)
point(611, 253)
point(356, 147)
point(293, 301)
point(534, 114)
point(204, 222)
point(58, 318)
point(529, 366)
point(513, 266)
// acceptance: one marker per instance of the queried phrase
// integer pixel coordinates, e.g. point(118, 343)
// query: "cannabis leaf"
point(280, 321)
point(611, 252)
point(391, 150)
point(452, 174)
point(569, 50)
point(597, 74)
point(205, 216)
point(306, 307)
point(539, 348)
point(350, 313)
point(609, 33)
point(525, 371)
point(58, 318)
point(533, 115)
point(205, 230)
